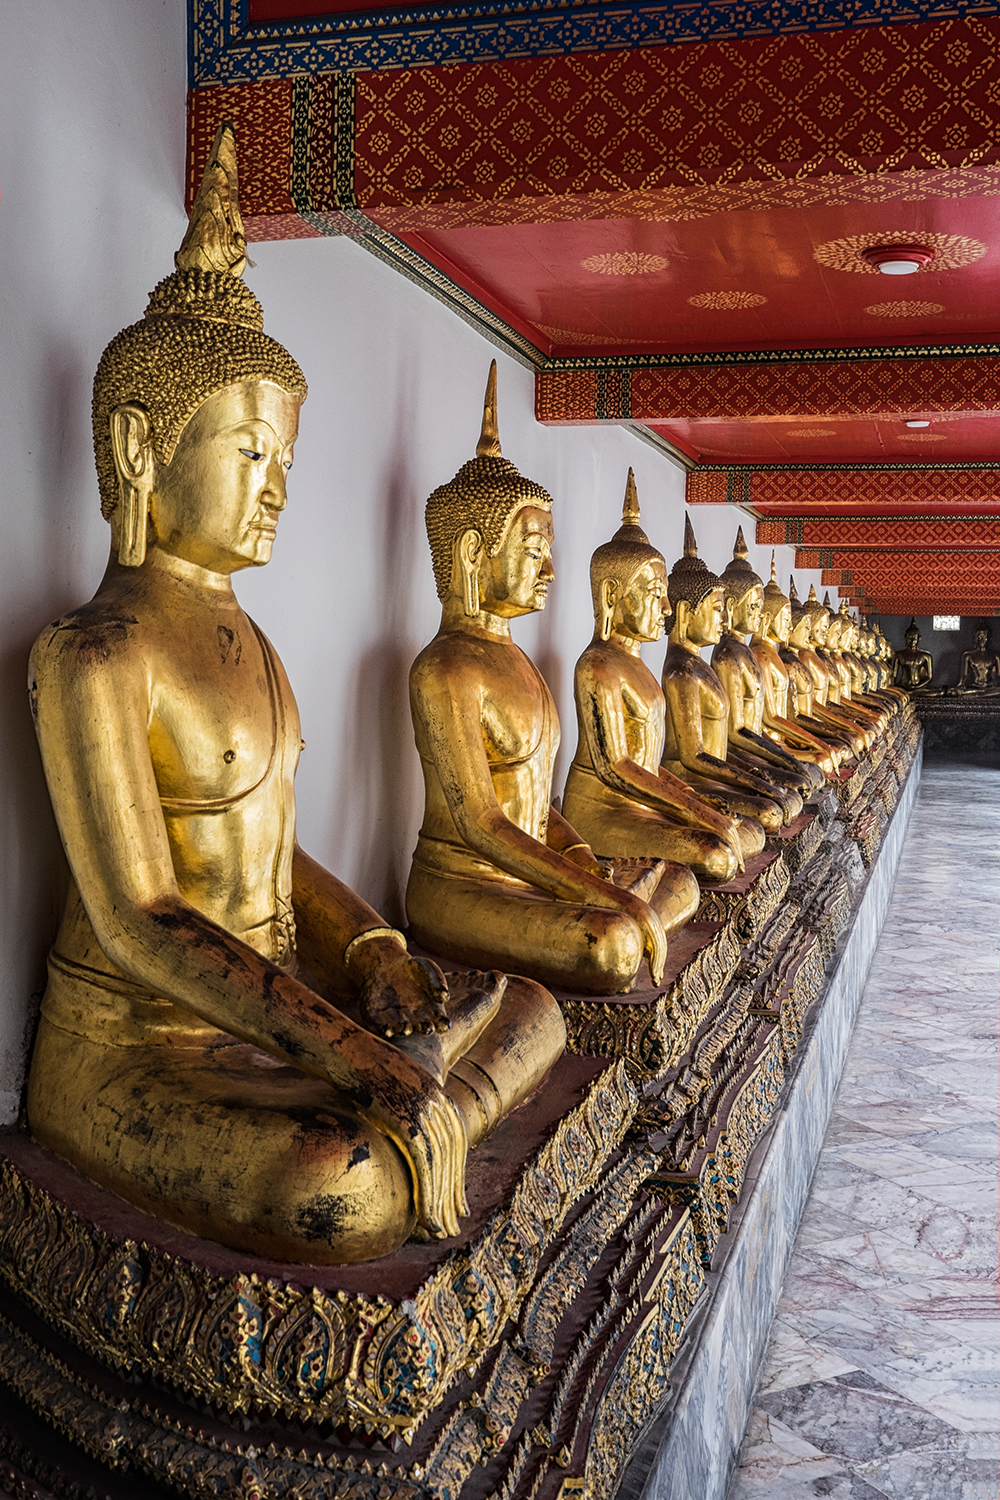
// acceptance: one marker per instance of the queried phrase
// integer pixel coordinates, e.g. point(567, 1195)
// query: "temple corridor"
point(881, 1379)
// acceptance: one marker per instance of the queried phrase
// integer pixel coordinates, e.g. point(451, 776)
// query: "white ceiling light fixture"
point(920, 423)
point(898, 260)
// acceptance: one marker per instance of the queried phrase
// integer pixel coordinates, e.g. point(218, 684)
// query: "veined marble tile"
point(854, 1417)
point(777, 1462)
point(963, 1143)
point(960, 1468)
point(793, 1360)
point(959, 1385)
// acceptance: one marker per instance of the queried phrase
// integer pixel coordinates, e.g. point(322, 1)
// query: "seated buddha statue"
point(696, 741)
point(826, 682)
point(860, 687)
point(914, 668)
point(618, 796)
point(771, 634)
point(499, 875)
point(840, 678)
point(753, 726)
point(230, 1038)
point(980, 667)
point(802, 687)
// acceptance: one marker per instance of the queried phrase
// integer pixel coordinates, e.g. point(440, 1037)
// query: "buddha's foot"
point(474, 998)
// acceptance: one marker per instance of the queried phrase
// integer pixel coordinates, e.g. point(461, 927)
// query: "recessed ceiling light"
point(897, 260)
point(918, 424)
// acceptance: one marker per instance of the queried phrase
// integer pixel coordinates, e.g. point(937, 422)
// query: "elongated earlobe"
point(132, 524)
point(130, 442)
point(469, 552)
point(605, 623)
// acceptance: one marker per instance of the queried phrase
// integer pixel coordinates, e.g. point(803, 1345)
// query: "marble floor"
point(882, 1379)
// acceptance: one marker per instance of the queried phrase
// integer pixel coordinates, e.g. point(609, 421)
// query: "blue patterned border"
point(223, 48)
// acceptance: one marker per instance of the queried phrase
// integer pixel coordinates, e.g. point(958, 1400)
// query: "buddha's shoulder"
point(102, 632)
point(455, 655)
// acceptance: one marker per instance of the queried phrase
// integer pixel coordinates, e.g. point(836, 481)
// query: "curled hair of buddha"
point(690, 580)
point(774, 599)
point(628, 550)
point(485, 496)
point(738, 577)
point(202, 330)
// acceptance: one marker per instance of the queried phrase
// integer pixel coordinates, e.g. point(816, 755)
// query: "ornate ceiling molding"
point(227, 47)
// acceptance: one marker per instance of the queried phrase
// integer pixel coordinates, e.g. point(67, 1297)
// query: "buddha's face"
point(641, 611)
point(981, 639)
point(516, 580)
point(912, 637)
point(746, 612)
point(781, 622)
point(704, 624)
point(820, 628)
point(833, 633)
point(217, 503)
point(800, 632)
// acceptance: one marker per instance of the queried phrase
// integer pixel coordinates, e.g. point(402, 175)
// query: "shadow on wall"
point(387, 790)
point(945, 646)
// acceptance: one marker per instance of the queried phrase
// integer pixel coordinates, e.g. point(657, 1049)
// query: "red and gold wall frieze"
point(908, 489)
point(658, 133)
point(791, 387)
point(817, 537)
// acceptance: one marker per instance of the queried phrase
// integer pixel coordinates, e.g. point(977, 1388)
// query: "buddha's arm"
point(602, 721)
point(684, 699)
point(399, 994)
point(448, 713)
point(91, 710)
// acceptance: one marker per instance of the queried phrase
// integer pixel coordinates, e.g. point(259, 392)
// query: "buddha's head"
point(800, 630)
point(696, 595)
point(776, 610)
point(743, 590)
point(848, 627)
point(819, 617)
point(195, 408)
point(982, 638)
point(834, 631)
point(912, 635)
point(628, 579)
point(490, 530)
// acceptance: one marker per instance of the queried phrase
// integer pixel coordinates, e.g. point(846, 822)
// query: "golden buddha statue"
point(771, 634)
point(840, 680)
point(618, 796)
point(696, 741)
point(755, 725)
point(860, 693)
point(826, 681)
point(499, 875)
point(980, 667)
point(207, 1046)
point(914, 667)
point(803, 691)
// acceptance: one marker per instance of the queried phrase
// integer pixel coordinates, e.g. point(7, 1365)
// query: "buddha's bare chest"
point(221, 715)
point(519, 721)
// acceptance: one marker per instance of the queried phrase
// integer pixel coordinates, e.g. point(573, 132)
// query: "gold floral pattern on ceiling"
point(625, 263)
point(950, 251)
point(812, 432)
point(727, 301)
point(904, 309)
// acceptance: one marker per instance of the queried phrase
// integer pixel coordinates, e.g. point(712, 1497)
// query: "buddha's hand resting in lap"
point(433, 1140)
point(584, 856)
point(404, 995)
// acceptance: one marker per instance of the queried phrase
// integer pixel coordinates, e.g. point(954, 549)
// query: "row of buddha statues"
point(230, 1038)
point(979, 669)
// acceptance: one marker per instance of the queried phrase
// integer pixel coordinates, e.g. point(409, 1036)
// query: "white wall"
point(91, 187)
